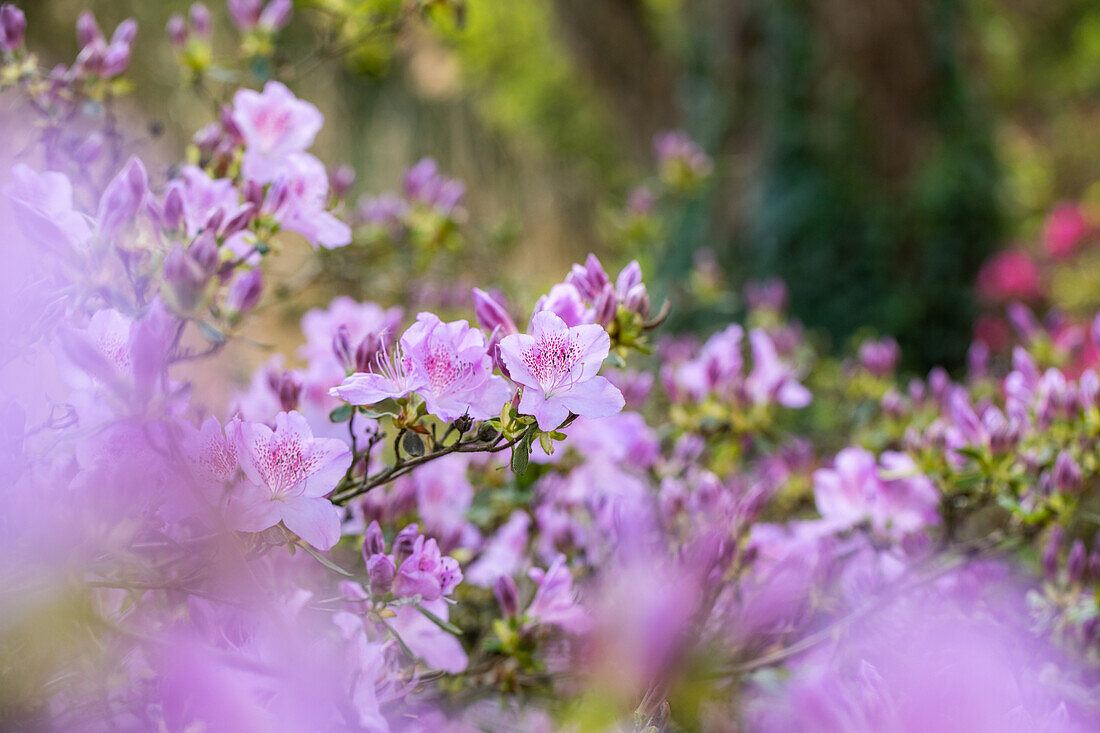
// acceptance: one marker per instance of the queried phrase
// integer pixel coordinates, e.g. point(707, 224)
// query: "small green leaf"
point(385, 408)
point(341, 413)
point(445, 625)
point(412, 444)
point(521, 452)
point(211, 334)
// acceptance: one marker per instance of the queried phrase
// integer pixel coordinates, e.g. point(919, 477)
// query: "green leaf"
point(412, 444)
point(211, 334)
point(324, 560)
point(521, 452)
point(341, 413)
point(385, 408)
point(445, 625)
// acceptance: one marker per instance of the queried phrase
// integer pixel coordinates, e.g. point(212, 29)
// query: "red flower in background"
point(1010, 274)
point(1063, 230)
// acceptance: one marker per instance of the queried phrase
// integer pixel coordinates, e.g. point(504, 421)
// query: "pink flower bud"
point(200, 20)
point(1050, 552)
point(491, 314)
point(276, 15)
point(125, 33)
point(381, 571)
point(173, 208)
point(341, 347)
point(177, 31)
point(244, 292)
point(87, 30)
point(366, 354)
point(13, 25)
point(340, 181)
point(404, 542)
point(204, 251)
point(287, 387)
point(1075, 562)
point(374, 543)
point(504, 588)
point(1067, 474)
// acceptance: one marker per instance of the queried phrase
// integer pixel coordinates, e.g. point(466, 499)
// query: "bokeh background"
point(872, 153)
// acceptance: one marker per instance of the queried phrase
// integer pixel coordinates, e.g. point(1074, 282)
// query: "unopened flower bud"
point(87, 30)
point(374, 542)
point(204, 251)
point(491, 314)
point(403, 543)
point(90, 149)
point(276, 14)
point(244, 292)
point(637, 300)
point(504, 588)
point(173, 208)
point(1050, 552)
point(287, 387)
point(380, 570)
point(13, 25)
point(880, 358)
point(176, 29)
point(115, 60)
point(1089, 628)
point(200, 20)
point(341, 347)
point(184, 276)
point(125, 33)
point(1075, 562)
point(893, 404)
point(1067, 474)
point(366, 354)
point(340, 181)
point(606, 306)
point(238, 220)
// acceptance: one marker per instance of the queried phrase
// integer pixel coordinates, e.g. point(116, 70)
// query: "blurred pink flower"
point(1064, 228)
point(275, 126)
point(1010, 274)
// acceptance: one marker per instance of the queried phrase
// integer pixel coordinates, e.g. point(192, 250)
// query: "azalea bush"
point(554, 516)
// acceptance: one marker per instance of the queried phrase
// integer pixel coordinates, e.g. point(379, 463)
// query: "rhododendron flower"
point(458, 368)
point(44, 209)
point(1064, 228)
point(123, 199)
point(565, 301)
point(896, 499)
point(212, 452)
point(289, 475)
point(557, 366)
point(425, 184)
point(1010, 274)
point(447, 363)
point(275, 126)
point(438, 649)
point(555, 602)
point(298, 201)
point(205, 201)
point(426, 572)
point(771, 379)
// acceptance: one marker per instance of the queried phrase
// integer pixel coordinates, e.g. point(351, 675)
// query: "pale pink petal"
point(317, 521)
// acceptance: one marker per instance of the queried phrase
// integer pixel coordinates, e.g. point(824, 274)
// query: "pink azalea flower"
point(1010, 274)
point(771, 379)
point(44, 209)
point(1064, 228)
point(897, 499)
point(320, 327)
point(438, 649)
point(455, 360)
point(555, 602)
point(212, 453)
point(298, 201)
point(203, 198)
point(289, 475)
point(557, 366)
point(503, 554)
point(275, 126)
point(427, 572)
point(447, 363)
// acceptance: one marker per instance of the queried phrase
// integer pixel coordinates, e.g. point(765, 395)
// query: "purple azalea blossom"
point(275, 126)
point(448, 363)
point(896, 498)
point(426, 572)
point(289, 475)
point(557, 366)
point(555, 602)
